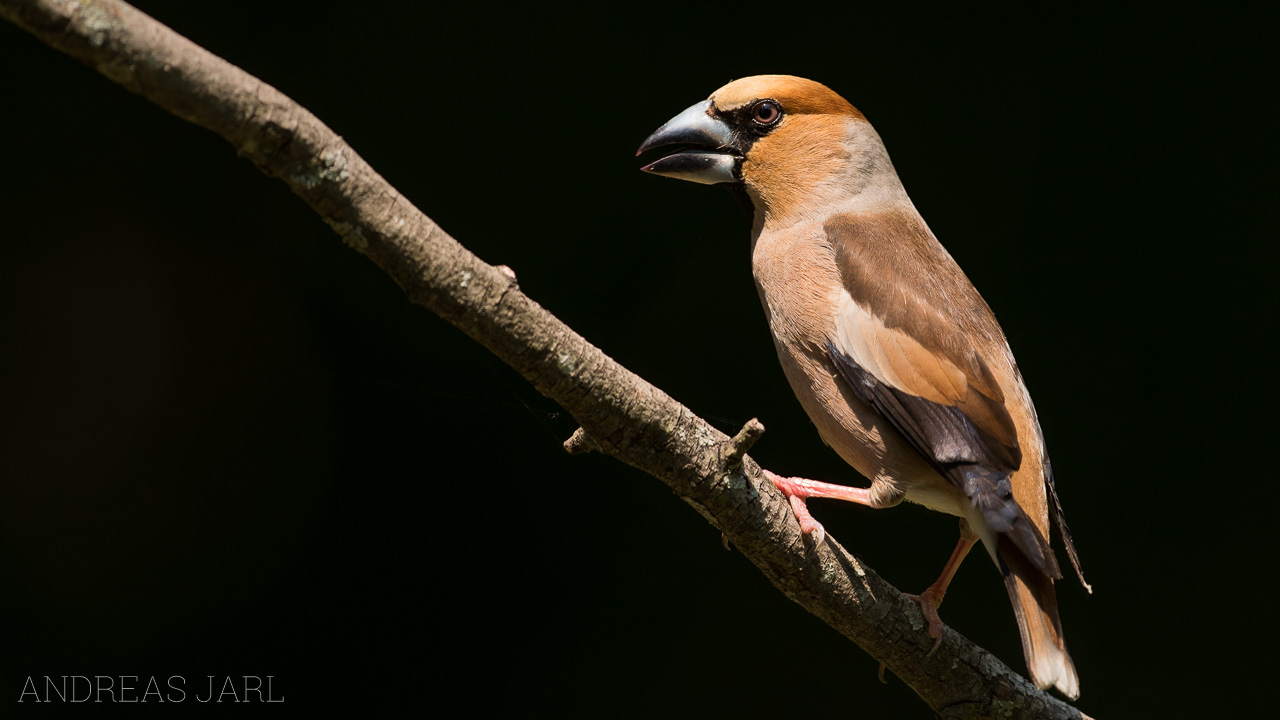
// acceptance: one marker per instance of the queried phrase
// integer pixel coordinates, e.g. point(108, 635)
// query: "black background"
point(231, 447)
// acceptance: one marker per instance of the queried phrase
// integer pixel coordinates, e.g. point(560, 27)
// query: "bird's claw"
point(808, 525)
point(929, 608)
point(795, 495)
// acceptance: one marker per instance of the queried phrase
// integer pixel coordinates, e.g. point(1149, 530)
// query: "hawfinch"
point(890, 349)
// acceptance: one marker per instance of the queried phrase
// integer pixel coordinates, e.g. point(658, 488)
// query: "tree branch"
point(620, 414)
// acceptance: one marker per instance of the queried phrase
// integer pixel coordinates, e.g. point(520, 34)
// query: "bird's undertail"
point(1036, 606)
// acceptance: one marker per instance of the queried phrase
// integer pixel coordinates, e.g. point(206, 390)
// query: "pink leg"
point(797, 489)
point(931, 598)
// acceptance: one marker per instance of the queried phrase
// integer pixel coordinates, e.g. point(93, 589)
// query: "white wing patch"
point(893, 357)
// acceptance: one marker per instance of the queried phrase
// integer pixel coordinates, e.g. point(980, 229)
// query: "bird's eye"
point(766, 112)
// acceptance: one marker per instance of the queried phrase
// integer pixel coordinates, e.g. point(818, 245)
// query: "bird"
point(890, 349)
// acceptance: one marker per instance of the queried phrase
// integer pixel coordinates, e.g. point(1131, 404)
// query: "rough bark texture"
point(620, 413)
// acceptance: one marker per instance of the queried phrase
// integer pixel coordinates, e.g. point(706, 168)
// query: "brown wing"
point(906, 346)
point(952, 410)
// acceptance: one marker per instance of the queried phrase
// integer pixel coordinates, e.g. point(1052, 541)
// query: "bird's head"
point(794, 145)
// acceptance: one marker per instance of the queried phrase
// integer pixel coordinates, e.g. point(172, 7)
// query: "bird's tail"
point(1036, 606)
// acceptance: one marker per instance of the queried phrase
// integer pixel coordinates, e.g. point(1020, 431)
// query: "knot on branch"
point(580, 443)
point(739, 444)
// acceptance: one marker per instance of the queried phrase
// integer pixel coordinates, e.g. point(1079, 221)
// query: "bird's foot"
point(808, 525)
point(796, 493)
point(929, 600)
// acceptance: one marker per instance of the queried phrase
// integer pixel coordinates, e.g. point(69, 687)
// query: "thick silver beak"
point(712, 159)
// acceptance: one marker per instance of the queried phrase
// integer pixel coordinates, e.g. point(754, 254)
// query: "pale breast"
point(800, 289)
